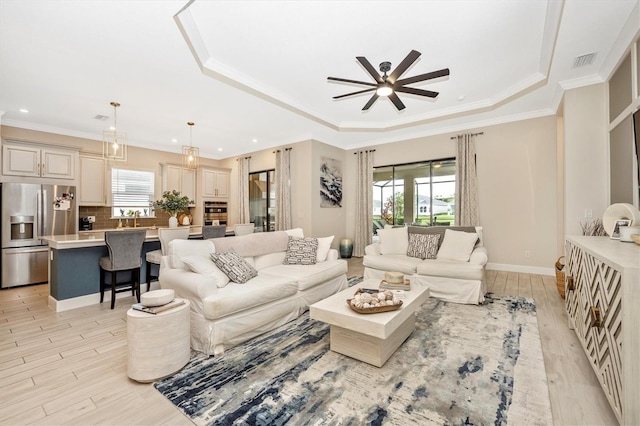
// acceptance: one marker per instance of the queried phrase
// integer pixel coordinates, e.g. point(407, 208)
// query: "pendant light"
point(190, 153)
point(114, 146)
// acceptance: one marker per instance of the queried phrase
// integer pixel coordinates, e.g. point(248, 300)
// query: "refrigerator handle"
point(43, 211)
point(37, 227)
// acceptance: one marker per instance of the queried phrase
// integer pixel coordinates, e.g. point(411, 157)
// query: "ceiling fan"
point(388, 85)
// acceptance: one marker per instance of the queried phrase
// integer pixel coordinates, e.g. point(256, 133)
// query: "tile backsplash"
point(104, 220)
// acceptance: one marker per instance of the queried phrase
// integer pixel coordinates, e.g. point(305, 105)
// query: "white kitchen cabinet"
point(37, 161)
point(602, 296)
point(215, 183)
point(92, 186)
point(175, 177)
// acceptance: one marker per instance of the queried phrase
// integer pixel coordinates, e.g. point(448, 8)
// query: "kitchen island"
point(74, 271)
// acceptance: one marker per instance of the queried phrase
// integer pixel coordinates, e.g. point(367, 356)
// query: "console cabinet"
point(35, 161)
point(602, 281)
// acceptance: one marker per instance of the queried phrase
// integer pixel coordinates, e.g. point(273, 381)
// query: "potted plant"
point(172, 203)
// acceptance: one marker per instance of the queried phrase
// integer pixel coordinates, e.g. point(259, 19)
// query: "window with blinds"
point(131, 191)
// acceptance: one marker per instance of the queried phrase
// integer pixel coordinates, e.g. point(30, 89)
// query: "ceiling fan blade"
point(404, 65)
point(370, 69)
point(413, 91)
point(422, 77)
point(396, 101)
point(354, 93)
point(371, 102)
point(345, 80)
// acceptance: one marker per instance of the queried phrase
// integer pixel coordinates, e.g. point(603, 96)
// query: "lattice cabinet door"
point(595, 308)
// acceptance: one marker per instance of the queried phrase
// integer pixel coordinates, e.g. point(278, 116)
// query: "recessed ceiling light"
point(254, 140)
point(461, 98)
point(219, 149)
point(24, 110)
point(174, 140)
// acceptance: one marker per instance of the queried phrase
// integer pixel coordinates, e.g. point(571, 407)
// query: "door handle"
point(596, 318)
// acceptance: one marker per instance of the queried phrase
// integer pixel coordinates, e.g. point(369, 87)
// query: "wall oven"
point(215, 213)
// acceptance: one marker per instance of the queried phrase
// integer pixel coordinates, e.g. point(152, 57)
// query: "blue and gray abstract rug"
point(463, 365)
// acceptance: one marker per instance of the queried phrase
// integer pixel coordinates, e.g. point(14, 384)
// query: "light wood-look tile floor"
point(70, 368)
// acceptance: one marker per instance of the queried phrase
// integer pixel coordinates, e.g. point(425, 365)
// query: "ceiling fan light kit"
point(389, 85)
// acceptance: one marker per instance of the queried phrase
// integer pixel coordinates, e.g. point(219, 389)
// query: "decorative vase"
point(173, 221)
point(346, 248)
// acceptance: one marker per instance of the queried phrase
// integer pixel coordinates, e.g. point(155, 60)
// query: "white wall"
point(516, 165)
point(585, 141)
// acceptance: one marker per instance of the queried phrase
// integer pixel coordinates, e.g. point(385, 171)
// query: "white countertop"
point(96, 238)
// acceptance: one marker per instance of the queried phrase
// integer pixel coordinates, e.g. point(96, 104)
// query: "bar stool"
point(154, 257)
point(213, 231)
point(125, 251)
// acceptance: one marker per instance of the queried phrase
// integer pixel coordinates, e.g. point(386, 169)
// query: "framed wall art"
point(330, 182)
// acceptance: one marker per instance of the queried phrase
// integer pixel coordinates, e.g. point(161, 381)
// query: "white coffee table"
point(371, 338)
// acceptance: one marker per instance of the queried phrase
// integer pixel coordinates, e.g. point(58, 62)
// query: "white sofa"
point(456, 274)
point(223, 313)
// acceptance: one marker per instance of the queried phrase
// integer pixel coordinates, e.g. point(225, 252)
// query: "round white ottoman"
point(159, 344)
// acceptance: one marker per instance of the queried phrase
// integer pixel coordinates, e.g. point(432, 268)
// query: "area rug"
point(463, 365)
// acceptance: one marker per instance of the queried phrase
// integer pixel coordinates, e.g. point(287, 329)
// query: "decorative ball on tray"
point(367, 301)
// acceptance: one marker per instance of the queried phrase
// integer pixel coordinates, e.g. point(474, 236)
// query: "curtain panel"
point(364, 202)
point(283, 189)
point(243, 189)
point(466, 207)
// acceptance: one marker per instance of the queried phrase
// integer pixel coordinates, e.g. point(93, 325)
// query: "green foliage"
point(172, 202)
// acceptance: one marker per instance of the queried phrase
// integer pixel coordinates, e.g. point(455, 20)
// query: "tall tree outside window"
point(417, 193)
point(262, 200)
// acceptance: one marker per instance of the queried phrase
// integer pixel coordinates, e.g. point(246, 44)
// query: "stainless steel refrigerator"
point(29, 212)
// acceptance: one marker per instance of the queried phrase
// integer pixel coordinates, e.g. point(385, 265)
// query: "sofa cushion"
point(423, 246)
point(204, 265)
point(234, 266)
point(440, 230)
point(255, 244)
point(450, 269)
point(307, 276)
point(266, 260)
point(301, 251)
point(457, 245)
point(258, 291)
point(324, 245)
point(181, 248)
point(394, 240)
point(392, 262)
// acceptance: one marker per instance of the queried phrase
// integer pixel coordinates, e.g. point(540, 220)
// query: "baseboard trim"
point(536, 270)
point(90, 299)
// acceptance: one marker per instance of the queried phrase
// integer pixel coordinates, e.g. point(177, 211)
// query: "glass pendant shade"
point(190, 153)
point(114, 143)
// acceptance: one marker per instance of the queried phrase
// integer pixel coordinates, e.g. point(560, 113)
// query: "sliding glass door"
point(262, 200)
point(417, 193)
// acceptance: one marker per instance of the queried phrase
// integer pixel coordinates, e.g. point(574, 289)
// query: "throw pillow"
point(324, 245)
point(423, 246)
point(394, 240)
point(457, 245)
point(204, 265)
point(234, 266)
point(301, 251)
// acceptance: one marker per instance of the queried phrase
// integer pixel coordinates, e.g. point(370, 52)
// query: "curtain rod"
point(371, 150)
point(472, 134)
point(286, 149)
point(240, 158)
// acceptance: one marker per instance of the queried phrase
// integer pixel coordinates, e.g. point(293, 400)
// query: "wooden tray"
point(375, 310)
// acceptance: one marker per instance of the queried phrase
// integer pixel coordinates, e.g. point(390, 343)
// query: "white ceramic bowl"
point(157, 297)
